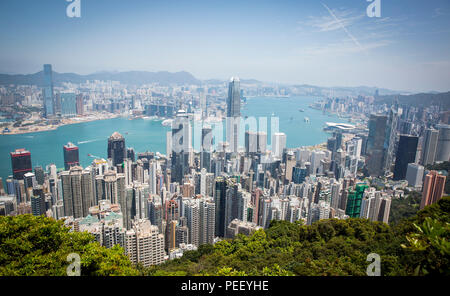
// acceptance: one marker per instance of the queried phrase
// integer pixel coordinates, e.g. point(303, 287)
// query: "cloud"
point(327, 23)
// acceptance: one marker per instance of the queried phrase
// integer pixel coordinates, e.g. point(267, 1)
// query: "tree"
point(431, 241)
point(32, 245)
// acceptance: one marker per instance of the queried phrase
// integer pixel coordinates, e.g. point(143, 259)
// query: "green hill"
point(416, 246)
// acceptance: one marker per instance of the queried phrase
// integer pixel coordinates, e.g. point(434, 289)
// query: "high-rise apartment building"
point(354, 199)
point(77, 191)
point(433, 188)
point(144, 244)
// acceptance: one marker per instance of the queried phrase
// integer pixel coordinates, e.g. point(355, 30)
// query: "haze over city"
point(329, 43)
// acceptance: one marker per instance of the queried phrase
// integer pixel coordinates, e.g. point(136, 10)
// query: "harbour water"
point(150, 135)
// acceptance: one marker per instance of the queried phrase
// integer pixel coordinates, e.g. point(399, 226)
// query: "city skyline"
point(327, 44)
point(250, 166)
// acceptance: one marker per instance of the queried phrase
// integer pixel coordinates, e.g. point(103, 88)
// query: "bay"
point(149, 135)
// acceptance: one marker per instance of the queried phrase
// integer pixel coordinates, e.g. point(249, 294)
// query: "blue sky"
point(327, 43)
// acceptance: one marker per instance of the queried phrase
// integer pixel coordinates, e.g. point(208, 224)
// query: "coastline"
point(46, 128)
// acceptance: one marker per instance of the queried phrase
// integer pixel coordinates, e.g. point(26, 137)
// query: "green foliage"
point(430, 240)
point(328, 247)
point(228, 271)
point(403, 208)
point(416, 245)
point(39, 246)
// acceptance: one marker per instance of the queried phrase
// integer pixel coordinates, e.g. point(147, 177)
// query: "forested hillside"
point(416, 246)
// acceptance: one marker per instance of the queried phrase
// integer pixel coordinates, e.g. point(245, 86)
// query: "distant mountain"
point(419, 100)
point(347, 91)
point(131, 77)
point(220, 81)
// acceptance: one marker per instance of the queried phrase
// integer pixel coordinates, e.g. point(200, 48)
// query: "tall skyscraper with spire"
point(233, 113)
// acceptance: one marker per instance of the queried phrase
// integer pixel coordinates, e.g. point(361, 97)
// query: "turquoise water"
point(143, 135)
point(91, 137)
point(291, 120)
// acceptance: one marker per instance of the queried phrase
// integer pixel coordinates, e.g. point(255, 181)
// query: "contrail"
point(343, 27)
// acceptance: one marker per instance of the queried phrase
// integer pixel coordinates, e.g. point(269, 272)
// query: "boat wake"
point(88, 141)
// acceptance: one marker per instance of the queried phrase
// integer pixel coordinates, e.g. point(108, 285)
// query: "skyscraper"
point(77, 190)
point(48, 91)
point(233, 113)
point(443, 143)
point(433, 189)
point(406, 153)
point(80, 104)
point(429, 146)
point(203, 105)
point(220, 205)
point(71, 156)
point(181, 146)
point(68, 104)
point(354, 200)
point(20, 163)
point(131, 154)
point(261, 142)
point(380, 143)
point(206, 148)
point(144, 244)
point(251, 142)
point(39, 173)
point(278, 144)
point(414, 174)
point(38, 201)
point(116, 148)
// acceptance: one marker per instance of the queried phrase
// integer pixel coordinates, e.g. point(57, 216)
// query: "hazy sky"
point(326, 43)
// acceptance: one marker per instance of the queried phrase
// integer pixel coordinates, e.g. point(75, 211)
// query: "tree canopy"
point(417, 245)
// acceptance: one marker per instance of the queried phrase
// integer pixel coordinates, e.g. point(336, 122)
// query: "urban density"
point(156, 206)
point(224, 138)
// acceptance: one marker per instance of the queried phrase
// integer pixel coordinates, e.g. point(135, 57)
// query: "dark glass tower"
point(48, 91)
point(117, 150)
point(71, 156)
point(131, 154)
point(406, 153)
point(220, 196)
point(20, 163)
